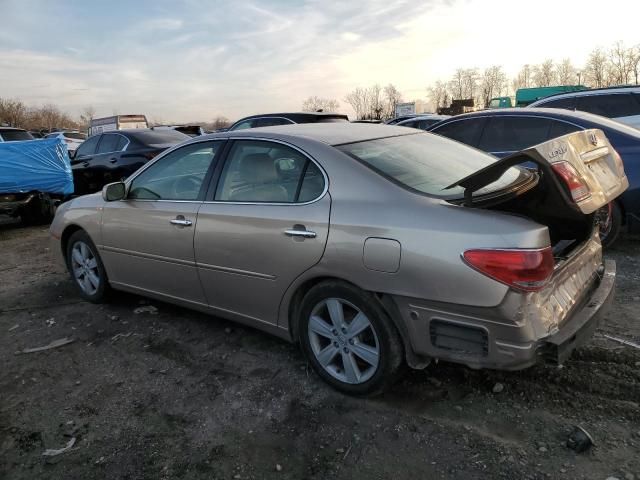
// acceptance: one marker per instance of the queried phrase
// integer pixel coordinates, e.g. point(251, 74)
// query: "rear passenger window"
point(559, 129)
point(568, 103)
point(271, 122)
point(509, 134)
point(612, 105)
point(259, 171)
point(122, 141)
point(109, 143)
point(465, 131)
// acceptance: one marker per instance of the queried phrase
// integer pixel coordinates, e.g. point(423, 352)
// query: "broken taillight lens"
point(577, 187)
point(522, 269)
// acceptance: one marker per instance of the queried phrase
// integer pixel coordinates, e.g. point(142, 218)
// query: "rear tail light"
point(579, 190)
point(522, 269)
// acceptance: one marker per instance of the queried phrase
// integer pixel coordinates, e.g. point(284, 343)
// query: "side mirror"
point(114, 191)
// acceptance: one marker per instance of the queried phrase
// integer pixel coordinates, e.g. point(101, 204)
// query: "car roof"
point(13, 129)
point(329, 133)
point(425, 116)
point(588, 92)
point(575, 116)
point(294, 116)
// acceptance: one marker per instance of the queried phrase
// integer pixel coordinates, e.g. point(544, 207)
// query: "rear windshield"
point(75, 135)
point(154, 137)
point(15, 135)
point(331, 119)
point(427, 163)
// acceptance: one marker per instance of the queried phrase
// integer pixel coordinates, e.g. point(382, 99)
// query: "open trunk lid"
point(592, 160)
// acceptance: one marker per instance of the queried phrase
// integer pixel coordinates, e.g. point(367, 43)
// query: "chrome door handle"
point(300, 233)
point(181, 221)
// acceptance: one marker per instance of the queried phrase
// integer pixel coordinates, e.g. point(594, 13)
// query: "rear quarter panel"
point(432, 233)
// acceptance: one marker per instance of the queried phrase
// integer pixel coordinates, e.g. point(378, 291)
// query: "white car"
point(72, 138)
point(618, 103)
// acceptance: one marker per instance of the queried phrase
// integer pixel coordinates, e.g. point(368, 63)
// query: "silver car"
point(372, 246)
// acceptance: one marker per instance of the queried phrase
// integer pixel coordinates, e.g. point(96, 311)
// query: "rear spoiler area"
point(585, 166)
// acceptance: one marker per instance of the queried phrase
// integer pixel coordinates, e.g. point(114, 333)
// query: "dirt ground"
point(179, 394)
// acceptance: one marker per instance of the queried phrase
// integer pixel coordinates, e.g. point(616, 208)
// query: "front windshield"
point(427, 163)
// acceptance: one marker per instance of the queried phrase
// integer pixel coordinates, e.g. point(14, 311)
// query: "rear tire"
point(348, 338)
point(86, 268)
point(610, 232)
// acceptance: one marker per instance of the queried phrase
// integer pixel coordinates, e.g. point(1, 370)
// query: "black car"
point(111, 156)
point(272, 119)
point(505, 131)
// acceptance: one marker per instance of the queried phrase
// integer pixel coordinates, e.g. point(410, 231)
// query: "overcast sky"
point(193, 60)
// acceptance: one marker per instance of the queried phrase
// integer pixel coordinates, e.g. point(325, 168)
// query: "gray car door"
point(148, 237)
point(265, 225)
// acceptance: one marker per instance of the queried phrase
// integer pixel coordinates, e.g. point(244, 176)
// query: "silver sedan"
point(371, 246)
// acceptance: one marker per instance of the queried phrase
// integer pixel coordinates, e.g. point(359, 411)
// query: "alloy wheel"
point(85, 268)
point(344, 341)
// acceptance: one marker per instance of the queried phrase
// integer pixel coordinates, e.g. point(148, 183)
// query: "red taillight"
point(579, 190)
point(524, 269)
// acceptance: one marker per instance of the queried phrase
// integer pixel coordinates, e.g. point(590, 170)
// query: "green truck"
point(526, 96)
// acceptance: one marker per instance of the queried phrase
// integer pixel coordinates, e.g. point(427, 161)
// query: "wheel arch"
point(66, 235)
point(386, 301)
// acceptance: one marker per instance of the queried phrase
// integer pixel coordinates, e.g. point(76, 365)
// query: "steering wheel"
point(187, 186)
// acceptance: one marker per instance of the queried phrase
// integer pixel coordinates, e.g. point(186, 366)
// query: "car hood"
point(590, 154)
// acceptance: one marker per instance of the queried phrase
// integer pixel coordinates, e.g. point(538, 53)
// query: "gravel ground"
point(178, 394)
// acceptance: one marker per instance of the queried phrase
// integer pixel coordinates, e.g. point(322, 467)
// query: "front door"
point(148, 237)
point(267, 223)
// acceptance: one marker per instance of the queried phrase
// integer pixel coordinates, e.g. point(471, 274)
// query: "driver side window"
point(178, 175)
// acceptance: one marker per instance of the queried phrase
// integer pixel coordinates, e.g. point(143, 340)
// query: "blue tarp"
point(41, 165)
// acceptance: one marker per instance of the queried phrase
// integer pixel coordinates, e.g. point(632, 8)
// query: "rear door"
point(266, 223)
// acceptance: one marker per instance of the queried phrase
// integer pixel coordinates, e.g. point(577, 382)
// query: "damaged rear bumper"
point(580, 327)
point(487, 338)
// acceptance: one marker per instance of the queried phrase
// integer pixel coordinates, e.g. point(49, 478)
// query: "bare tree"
point(493, 82)
point(544, 75)
point(221, 122)
point(565, 72)
point(314, 104)
point(438, 95)
point(14, 113)
point(464, 83)
point(376, 103)
point(634, 62)
point(596, 70)
point(620, 63)
point(359, 101)
point(392, 97)
point(88, 113)
point(524, 79)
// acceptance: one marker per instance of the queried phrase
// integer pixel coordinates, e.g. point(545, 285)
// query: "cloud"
point(188, 60)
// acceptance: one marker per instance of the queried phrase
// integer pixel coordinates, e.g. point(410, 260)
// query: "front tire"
point(349, 339)
point(86, 268)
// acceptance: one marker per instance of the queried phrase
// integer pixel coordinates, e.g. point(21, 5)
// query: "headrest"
point(257, 168)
